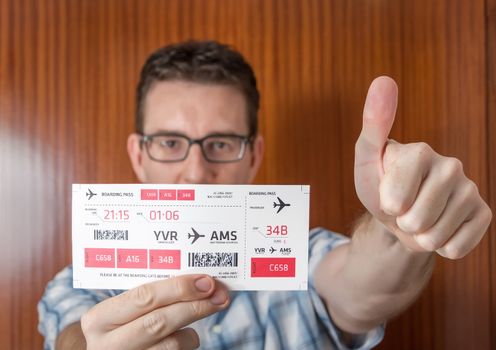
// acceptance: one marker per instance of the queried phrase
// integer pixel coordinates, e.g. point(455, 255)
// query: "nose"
point(196, 168)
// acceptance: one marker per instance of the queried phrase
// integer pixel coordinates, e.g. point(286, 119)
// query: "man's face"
point(195, 110)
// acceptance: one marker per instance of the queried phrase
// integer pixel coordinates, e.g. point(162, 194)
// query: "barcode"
point(110, 235)
point(212, 259)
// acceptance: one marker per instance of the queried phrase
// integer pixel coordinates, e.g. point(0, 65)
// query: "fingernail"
point(203, 284)
point(219, 297)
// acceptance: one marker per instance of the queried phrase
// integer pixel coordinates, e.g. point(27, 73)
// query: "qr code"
point(110, 235)
point(212, 259)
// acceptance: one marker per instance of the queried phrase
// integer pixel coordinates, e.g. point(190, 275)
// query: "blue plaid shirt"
point(254, 320)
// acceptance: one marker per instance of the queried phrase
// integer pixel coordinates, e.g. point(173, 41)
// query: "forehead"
point(195, 109)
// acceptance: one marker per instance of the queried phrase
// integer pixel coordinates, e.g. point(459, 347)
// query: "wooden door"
point(68, 71)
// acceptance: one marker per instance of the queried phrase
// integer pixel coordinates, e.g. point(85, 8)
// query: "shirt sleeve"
point(62, 305)
point(321, 242)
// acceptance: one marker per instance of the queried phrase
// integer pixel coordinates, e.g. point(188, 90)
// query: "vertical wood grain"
point(68, 71)
point(491, 160)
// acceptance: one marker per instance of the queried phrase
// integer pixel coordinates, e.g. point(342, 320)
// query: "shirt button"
point(217, 329)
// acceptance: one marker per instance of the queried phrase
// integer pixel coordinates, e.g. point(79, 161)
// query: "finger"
point(141, 300)
point(158, 324)
point(460, 208)
point(467, 236)
point(183, 339)
point(403, 176)
point(378, 117)
point(432, 198)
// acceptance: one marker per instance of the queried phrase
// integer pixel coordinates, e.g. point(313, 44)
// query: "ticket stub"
point(251, 237)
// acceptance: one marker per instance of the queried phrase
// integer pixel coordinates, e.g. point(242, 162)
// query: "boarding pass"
point(251, 237)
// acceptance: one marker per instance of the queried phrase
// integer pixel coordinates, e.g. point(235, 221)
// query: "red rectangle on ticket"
point(165, 259)
point(186, 195)
point(99, 257)
point(167, 195)
point(132, 258)
point(273, 267)
point(149, 194)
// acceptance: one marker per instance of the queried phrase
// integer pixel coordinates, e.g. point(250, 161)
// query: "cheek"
point(235, 173)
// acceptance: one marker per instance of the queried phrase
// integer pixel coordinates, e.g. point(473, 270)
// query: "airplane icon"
point(272, 250)
point(281, 205)
point(195, 234)
point(90, 194)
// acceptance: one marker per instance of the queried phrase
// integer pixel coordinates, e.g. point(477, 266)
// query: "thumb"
point(378, 118)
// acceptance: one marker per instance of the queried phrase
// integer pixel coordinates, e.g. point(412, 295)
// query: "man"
point(196, 122)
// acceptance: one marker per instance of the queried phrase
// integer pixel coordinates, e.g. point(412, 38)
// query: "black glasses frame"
point(146, 139)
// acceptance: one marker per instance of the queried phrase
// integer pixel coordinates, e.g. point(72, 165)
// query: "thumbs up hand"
point(421, 197)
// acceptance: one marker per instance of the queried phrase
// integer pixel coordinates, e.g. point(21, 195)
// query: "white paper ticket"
point(251, 237)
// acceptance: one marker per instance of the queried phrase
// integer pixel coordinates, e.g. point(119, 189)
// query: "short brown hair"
point(202, 62)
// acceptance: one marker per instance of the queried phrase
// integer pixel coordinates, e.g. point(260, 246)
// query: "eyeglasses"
point(216, 148)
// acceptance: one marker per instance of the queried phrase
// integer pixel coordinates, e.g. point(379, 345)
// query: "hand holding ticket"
point(250, 237)
point(139, 324)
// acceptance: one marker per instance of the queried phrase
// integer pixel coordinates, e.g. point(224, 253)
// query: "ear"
point(257, 154)
point(135, 152)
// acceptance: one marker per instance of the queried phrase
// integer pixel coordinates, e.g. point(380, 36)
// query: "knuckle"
point(435, 245)
point(484, 214)
point(452, 167)
point(142, 296)
point(423, 147)
point(410, 223)
point(179, 286)
point(428, 242)
point(155, 324)
point(195, 308)
point(422, 151)
point(393, 206)
point(469, 191)
point(361, 144)
point(488, 214)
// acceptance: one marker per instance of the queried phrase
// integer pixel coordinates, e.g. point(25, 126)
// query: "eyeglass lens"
point(215, 148)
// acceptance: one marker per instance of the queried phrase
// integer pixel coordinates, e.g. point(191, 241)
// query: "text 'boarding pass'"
point(251, 237)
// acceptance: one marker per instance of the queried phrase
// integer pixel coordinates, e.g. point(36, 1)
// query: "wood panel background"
point(68, 71)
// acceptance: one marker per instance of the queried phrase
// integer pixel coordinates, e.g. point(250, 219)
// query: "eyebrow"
point(164, 131)
point(177, 132)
